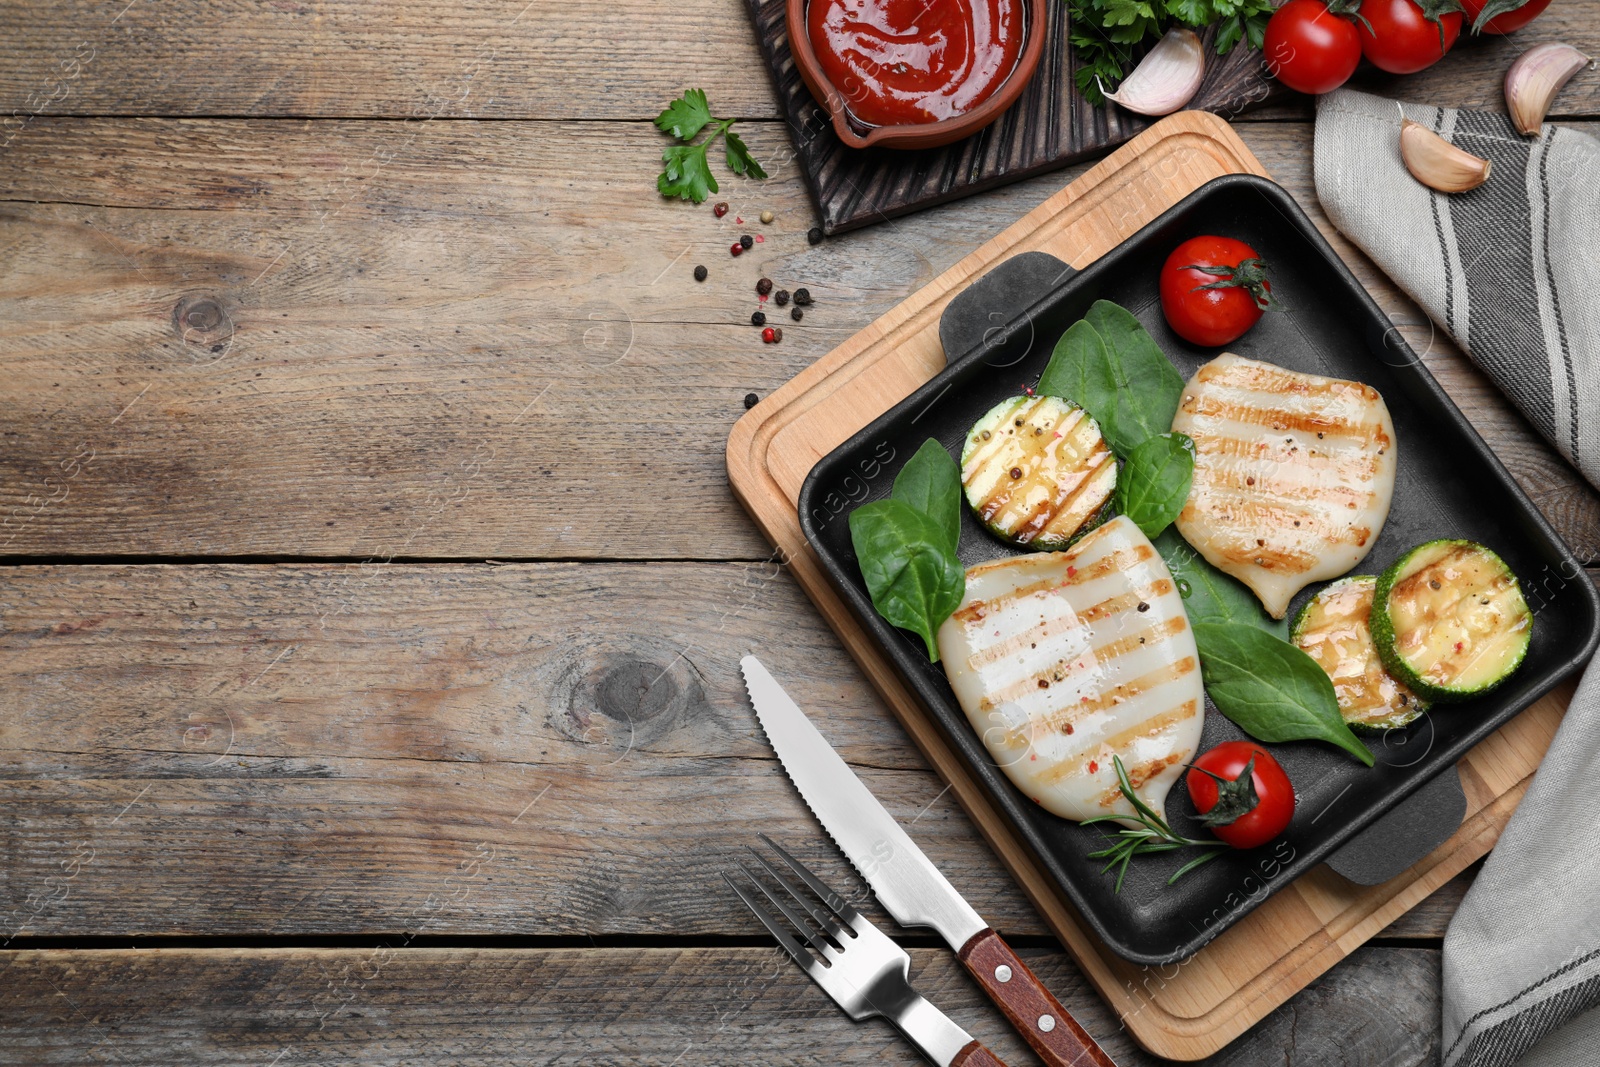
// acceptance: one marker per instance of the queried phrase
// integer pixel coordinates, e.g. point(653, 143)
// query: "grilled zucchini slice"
point(1037, 472)
point(1333, 630)
point(1449, 620)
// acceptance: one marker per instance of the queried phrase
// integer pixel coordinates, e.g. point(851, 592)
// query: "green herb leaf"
point(915, 580)
point(740, 161)
point(1109, 36)
point(1111, 367)
point(1154, 482)
point(931, 482)
point(686, 175)
point(687, 172)
point(686, 116)
point(1270, 689)
point(1208, 594)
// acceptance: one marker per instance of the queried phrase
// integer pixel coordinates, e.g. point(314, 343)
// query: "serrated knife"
point(906, 882)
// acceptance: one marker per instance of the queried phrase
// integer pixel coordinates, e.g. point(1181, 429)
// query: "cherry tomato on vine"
point(1246, 812)
point(1401, 38)
point(1310, 48)
point(1506, 21)
point(1213, 289)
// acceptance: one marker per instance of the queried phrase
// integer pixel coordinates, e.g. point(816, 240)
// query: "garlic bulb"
point(1166, 78)
point(1534, 80)
point(1437, 163)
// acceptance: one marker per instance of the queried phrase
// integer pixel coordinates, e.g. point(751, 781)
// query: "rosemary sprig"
point(1151, 836)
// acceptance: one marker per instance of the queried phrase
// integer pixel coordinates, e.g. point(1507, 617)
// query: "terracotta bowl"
point(922, 134)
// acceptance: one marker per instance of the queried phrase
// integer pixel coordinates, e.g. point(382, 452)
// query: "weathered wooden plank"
point(555, 749)
point(1472, 75)
point(405, 340)
point(618, 1006)
point(310, 749)
point(497, 59)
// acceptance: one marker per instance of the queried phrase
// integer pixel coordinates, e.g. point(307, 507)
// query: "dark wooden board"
point(1050, 126)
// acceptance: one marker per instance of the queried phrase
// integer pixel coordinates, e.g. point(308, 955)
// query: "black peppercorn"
point(802, 297)
point(700, 273)
point(814, 235)
point(747, 241)
point(758, 319)
point(764, 286)
point(781, 297)
point(750, 401)
point(796, 314)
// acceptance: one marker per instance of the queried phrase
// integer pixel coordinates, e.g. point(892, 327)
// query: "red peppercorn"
point(721, 209)
point(736, 249)
point(769, 335)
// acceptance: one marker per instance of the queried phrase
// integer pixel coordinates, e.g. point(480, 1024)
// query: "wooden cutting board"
point(1182, 1011)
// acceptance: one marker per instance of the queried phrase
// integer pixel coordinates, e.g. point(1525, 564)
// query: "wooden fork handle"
point(975, 1055)
point(1033, 1011)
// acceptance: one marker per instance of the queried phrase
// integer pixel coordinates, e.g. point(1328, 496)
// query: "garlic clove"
point(1437, 163)
point(1166, 78)
point(1534, 80)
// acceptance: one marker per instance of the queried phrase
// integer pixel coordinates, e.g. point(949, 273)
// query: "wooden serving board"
point(1050, 126)
point(1190, 1009)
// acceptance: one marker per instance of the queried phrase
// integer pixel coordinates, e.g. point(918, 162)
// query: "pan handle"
point(1403, 835)
point(977, 315)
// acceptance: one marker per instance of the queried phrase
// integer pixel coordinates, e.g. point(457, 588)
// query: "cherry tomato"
point(1213, 316)
point(1274, 805)
point(1309, 48)
point(1402, 39)
point(1507, 22)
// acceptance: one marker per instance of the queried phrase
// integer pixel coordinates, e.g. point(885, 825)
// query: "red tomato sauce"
point(901, 62)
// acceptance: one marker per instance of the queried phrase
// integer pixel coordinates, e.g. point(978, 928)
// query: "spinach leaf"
point(1110, 366)
point(1270, 689)
point(1154, 482)
point(1070, 374)
point(1208, 594)
point(912, 573)
point(931, 482)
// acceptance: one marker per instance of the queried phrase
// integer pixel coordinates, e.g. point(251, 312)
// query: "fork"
point(864, 972)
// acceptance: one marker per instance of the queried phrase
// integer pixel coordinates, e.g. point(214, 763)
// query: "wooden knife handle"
point(1037, 1016)
point(975, 1055)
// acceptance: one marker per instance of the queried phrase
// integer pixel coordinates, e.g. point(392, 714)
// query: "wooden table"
point(374, 590)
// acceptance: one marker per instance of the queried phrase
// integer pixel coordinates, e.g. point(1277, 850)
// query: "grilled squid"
point(1063, 660)
point(1293, 474)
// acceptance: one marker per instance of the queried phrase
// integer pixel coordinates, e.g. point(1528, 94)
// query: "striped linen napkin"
point(1510, 271)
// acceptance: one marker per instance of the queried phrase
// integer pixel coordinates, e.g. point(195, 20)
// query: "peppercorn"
point(700, 273)
point(777, 334)
point(766, 216)
point(746, 240)
point(802, 297)
point(758, 319)
point(814, 235)
point(764, 286)
point(721, 209)
point(796, 314)
point(736, 249)
point(769, 335)
point(751, 400)
point(781, 297)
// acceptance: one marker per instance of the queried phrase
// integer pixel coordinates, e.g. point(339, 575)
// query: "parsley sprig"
point(1110, 35)
point(687, 172)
